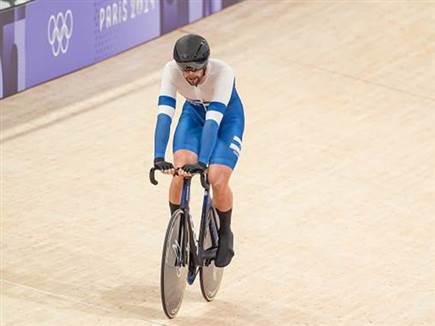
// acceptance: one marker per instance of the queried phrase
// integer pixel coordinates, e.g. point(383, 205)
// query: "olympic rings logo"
point(60, 28)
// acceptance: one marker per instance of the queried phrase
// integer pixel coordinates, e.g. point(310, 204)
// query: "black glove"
point(161, 164)
point(194, 168)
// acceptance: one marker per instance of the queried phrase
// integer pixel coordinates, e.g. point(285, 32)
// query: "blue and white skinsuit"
point(212, 121)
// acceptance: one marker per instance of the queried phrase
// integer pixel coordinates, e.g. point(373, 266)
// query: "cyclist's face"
point(193, 77)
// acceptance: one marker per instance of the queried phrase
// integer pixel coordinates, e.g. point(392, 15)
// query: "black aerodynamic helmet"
point(191, 52)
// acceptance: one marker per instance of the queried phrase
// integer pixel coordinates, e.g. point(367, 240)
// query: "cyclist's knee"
point(182, 157)
point(218, 185)
point(218, 178)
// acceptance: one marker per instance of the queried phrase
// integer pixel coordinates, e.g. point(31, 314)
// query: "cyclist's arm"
point(166, 110)
point(215, 113)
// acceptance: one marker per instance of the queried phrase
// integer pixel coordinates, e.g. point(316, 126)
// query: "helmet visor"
point(192, 66)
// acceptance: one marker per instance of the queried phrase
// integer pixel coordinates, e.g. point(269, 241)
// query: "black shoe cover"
point(225, 250)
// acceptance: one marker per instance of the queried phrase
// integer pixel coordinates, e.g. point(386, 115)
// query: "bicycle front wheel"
point(210, 275)
point(174, 265)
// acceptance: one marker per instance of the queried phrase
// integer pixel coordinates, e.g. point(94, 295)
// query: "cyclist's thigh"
point(229, 142)
point(227, 149)
point(188, 132)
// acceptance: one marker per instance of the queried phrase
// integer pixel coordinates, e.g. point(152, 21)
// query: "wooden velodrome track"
point(335, 189)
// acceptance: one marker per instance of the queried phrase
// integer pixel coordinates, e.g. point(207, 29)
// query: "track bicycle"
point(184, 255)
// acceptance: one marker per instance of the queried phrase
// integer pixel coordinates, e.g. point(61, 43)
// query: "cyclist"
point(209, 132)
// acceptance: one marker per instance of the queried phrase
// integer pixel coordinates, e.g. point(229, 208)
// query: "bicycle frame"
point(184, 258)
point(199, 254)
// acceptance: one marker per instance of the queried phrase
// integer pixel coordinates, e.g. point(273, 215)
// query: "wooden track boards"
point(335, 189)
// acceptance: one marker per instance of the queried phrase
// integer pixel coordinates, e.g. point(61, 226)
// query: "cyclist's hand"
point(162, 165)
point(189, 169)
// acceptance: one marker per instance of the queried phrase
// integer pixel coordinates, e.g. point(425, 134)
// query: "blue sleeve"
point(208, 140)
point(163, 125)
point(210, 130)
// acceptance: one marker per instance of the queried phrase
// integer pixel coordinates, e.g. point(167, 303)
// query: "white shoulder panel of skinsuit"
point(217, 85)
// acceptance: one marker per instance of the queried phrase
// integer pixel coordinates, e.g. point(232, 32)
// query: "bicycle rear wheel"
point(174, 265)
point(210, 276)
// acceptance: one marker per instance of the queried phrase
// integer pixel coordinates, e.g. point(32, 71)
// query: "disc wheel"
point(174, 264)
point(210, 276)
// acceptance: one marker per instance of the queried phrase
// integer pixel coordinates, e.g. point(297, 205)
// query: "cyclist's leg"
point(219, 178)
point(181, 157)
point(185, 148)
point(222, 164)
